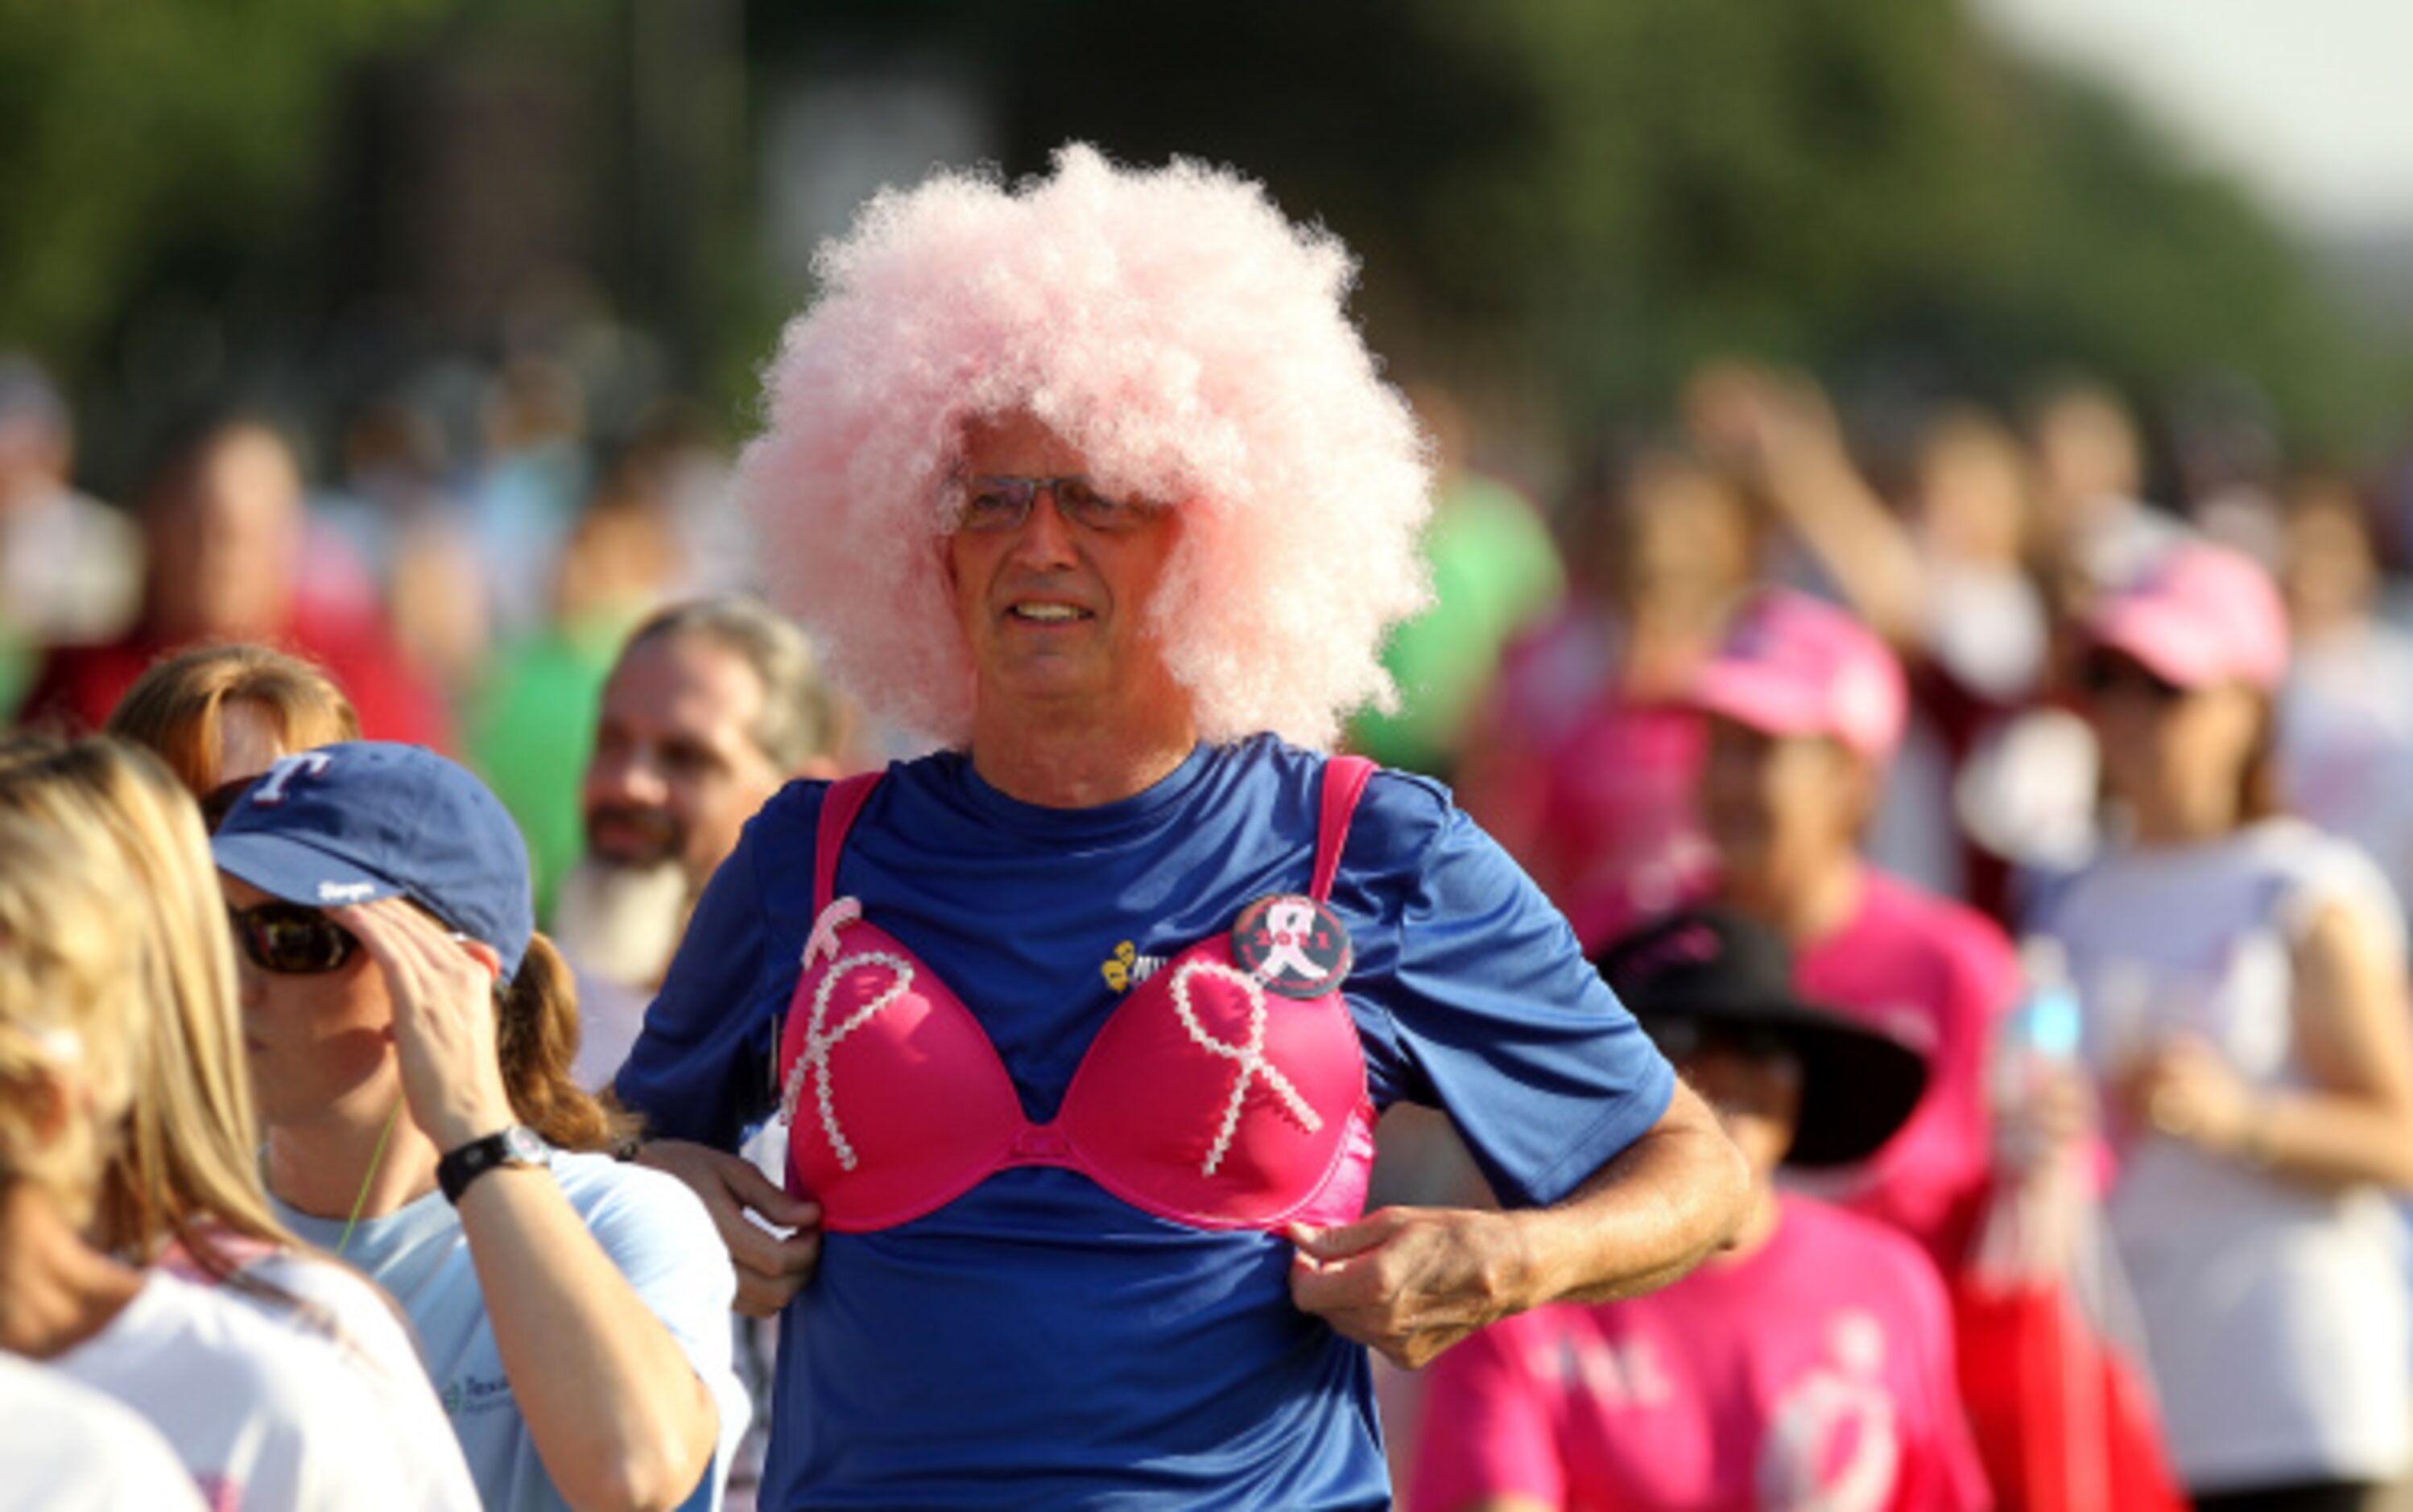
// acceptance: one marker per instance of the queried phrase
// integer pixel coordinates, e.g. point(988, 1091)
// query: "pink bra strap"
point(1344, 780)
point(839, 804)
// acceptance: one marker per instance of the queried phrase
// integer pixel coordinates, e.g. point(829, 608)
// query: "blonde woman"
point(183, 1189)
point(259, 1419)
point(221, 714)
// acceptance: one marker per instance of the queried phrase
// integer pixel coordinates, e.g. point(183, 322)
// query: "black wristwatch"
point(517, 1145)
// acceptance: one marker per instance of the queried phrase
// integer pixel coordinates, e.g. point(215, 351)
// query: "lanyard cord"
point(377, 1158)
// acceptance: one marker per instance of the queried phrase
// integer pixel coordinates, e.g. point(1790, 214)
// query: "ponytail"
point(537, 1039)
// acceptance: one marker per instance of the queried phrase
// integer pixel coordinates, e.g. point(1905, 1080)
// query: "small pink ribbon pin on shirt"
point(823, 940)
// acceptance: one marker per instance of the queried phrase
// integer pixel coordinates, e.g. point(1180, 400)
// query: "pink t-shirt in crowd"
point(1621, 832)
point(1938, 976)
point(1590, 787)
point(1815, 1373)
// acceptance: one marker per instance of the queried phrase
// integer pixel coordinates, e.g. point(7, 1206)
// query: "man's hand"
point(770, 1269)
point(1411, 1282)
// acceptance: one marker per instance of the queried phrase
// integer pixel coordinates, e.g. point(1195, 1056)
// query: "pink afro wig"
point(1181, 333)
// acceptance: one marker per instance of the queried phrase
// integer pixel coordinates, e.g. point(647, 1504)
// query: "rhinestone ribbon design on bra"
point(813, 1058)
point(1251, 1056)
point(813, 1063)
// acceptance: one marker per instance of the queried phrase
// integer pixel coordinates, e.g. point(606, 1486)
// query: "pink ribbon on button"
point(1290, 922)
point(823, 940)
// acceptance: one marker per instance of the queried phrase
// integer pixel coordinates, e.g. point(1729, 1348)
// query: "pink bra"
point(1208, 1098)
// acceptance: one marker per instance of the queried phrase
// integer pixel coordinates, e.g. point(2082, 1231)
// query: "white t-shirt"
point(68, 1448)
point(654, 1229)
point(350, 1316)
point(2274, 1314)
point(2346, 742)
point(1987, 626)
point(260, 1418)
point(70, 569)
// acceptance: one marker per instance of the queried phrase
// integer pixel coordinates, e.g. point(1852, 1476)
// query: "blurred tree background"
point(1560, 204)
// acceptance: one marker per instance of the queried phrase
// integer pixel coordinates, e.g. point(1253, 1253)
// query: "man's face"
point(1755, 1088)
point(676, 772)
point(226, 539)
point(1775, 806)
point(34, 458)
point(1050, 609)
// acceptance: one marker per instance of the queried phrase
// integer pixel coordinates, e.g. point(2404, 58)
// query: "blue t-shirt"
point(651, 1227)
point(1037, 1342)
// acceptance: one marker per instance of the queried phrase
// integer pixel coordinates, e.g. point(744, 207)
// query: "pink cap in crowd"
point(1792, 665)
point(2200, 614)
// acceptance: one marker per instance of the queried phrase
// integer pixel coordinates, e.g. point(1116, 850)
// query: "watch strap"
point(463, 1166)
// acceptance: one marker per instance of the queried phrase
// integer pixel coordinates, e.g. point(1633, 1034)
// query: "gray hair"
point(803, 717)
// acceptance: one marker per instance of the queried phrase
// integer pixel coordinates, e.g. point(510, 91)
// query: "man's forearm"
point(1668, 1201)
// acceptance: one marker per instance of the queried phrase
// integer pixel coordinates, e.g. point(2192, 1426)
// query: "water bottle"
point(2035, 1058)
point(2043, 1258)
point(2037, 1046)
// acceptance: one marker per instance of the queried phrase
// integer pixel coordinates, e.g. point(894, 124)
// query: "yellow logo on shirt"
point(1127, 967)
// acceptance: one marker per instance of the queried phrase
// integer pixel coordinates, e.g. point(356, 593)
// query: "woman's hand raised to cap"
point(444, 1023)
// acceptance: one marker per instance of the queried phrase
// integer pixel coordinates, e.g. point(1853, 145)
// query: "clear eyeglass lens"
point(998, 504)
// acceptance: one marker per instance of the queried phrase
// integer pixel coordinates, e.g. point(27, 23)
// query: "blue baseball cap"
point(365, 820)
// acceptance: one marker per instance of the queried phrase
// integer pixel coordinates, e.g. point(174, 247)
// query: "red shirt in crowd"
point(79, 685)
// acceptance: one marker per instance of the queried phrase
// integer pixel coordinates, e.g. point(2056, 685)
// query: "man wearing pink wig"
point(1082, 1024)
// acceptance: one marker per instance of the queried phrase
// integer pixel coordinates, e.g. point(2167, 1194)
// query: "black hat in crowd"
point(1715, 967)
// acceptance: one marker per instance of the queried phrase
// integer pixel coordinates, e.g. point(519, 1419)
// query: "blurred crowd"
point(1962, 716)
point(2082, 773)
point(469, 597)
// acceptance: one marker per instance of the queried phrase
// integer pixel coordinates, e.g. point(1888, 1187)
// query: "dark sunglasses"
point(1683, 1037)
point(2108, 674)
point(992, 505)
point(290, 939)
point(220, 801)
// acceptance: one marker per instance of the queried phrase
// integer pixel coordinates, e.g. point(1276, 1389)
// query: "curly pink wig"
point(1190, 342)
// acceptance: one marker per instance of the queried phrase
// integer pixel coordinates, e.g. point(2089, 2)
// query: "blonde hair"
point(186, 1172)
point(69, 1018)
point(175, 708)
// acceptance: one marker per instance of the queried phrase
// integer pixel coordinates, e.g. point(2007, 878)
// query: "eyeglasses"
point(992, 505)
point(291, 941)
point(2108, 674)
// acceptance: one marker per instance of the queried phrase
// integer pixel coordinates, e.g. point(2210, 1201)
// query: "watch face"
point(521, 1145)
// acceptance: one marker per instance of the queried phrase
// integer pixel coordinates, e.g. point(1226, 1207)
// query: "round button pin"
point(1292, 945)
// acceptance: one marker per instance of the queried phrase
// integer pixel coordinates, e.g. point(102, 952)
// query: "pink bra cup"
point(1206, 1099)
